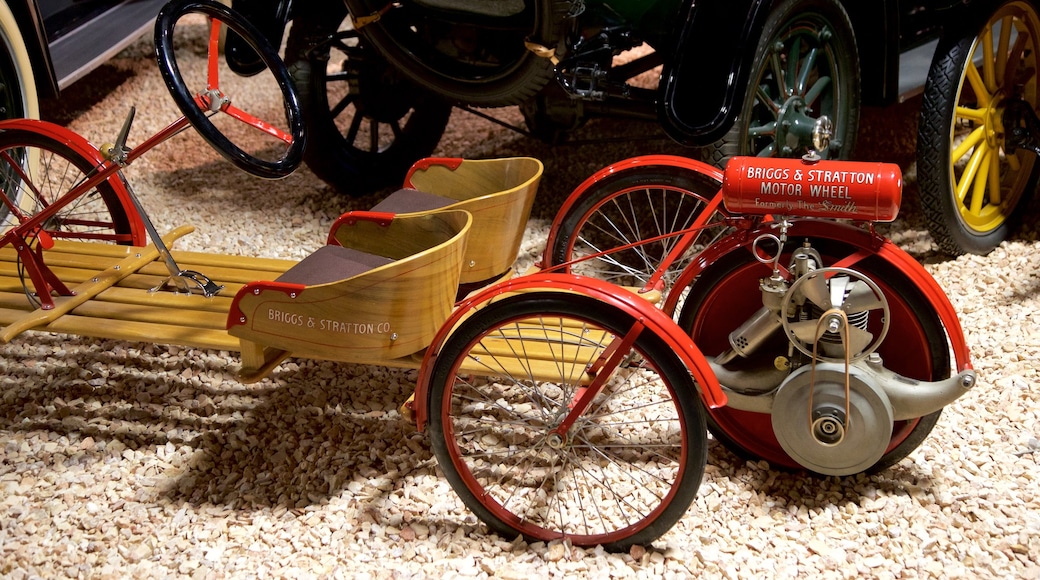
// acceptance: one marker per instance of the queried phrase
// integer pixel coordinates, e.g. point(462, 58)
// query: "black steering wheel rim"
point(164, 25)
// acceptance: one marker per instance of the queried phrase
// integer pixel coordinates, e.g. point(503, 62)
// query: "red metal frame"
point(644, 313)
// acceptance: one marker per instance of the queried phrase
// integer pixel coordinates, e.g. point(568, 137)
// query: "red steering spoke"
point(253, 121)
point(213, 73)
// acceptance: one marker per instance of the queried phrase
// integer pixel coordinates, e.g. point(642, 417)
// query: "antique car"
point(739, 76)
point(736, 77)
point(52, 43)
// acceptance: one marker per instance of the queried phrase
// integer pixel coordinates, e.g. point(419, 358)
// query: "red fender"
point(82, 147)
point(655, 321)
point(869, 244)
point(630, 164)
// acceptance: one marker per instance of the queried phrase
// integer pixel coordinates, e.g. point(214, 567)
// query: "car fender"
point(702, 85)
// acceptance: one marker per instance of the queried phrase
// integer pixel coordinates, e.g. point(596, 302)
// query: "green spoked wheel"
point(806, 70)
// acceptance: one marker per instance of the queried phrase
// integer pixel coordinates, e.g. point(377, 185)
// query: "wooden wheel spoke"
point(764, 98)
point(1003, 44)
point(989, 73)
point(817, 89)
point(778, 73)
point(970, 142)
point(974, 79)
point(994, 178)
point(793, 61)
point(971, 172)
point(808, 63)
point(980, 180)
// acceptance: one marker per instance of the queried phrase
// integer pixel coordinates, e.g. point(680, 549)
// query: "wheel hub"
point(794, 127)
point(826, 440)
point(381, 95)
point(829, 424)
point(994, 119)
point(555, 440)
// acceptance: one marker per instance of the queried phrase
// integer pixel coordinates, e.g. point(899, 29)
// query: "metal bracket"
point(1021, 126)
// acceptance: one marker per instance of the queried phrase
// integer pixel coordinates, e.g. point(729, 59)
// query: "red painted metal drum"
point(853, 190)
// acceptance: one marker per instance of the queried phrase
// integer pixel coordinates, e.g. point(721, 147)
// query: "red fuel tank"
point(853, 190)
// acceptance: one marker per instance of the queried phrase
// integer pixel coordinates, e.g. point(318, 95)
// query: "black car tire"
point(969, 221)
point(365, 137)
point(18, 97)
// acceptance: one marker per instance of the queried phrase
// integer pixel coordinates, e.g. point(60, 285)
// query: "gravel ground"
point(138, 460)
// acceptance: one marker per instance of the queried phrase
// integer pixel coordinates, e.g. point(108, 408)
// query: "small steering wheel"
point(197, 108)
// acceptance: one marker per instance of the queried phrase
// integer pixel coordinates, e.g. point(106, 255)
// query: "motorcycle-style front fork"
point(808, 358)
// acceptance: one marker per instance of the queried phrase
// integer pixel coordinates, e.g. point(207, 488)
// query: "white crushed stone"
point(136, 460)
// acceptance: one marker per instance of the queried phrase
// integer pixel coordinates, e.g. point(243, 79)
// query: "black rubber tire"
point(165, 23)
point(99, 214)
point(632, 205)
point(957, 226)
point(18, 97)
point(667, 484)
point(371, 98)
point(841, 104)
point(508, 74)
point(701, 319)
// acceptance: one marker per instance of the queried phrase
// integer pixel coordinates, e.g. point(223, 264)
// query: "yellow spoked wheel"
point(972, 187)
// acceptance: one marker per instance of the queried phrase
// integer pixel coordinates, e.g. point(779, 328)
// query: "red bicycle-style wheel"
point(36, 169)
point(626, 470)
point(630, 206)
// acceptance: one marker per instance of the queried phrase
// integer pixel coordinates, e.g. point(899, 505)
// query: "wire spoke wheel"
point(626, 469)
point(36, 170)
point(623, 228)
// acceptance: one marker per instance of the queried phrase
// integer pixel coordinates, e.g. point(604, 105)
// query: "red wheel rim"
point(530, 528)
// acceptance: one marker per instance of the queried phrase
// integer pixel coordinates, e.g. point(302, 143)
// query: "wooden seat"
point(331, 263)
point(408, 200)
point(498, 193)
point(379, 292)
